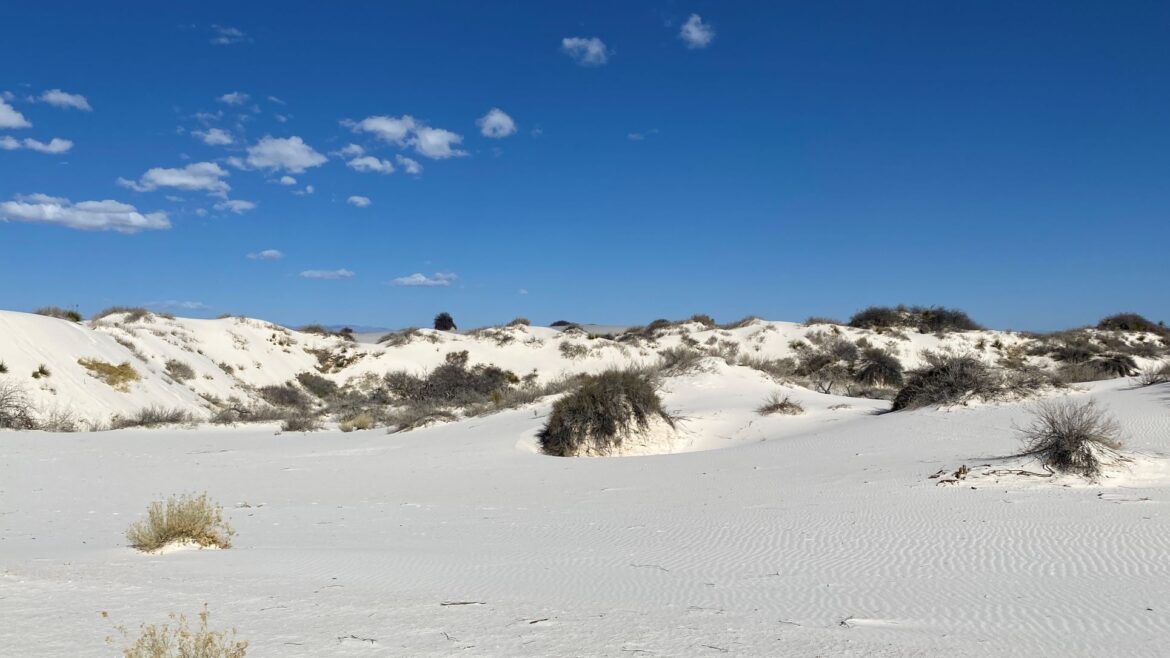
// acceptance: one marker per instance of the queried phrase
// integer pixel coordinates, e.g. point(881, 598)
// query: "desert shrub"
point(572, 350)
point(300, 423)
point(59, 313)
point(181, 518)
point(778, 368)
point(238, 412)
point(177, 639)
point(878, 368)
point(284, 395)
point(399, 338)
point(597, 415)
point(679, 360)
point(57, 419)
point(119, 377)
point(1108, 366)
point(1156, 374)
point(3, 368)
point(133, 313)
point(179, 371)
point(414, 416)
point(1072, 348)
point(519, 322)
point(1072, 437)
point(452, 384)
point(703, 319)
point(658, 325)
point(16, 412)
point(561, 323)
point(775, 404)
point(1129, 322)
point(318, 329)
point(933, 319)
point(360, 422)
point(948, 379)
point(814, 320)
point(152, 416)
point(746, 321)
point(318, 385)
point(41, 372)
point(444, 322)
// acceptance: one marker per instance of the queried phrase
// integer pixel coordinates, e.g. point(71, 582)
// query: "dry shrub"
point(878, 368)
point(1107, 366)
point(948, 379)
point(778, 368)
point(679, 360)
point(59, 313)
point(572, 350)
point(362, 422)
point(16, 412)
point(606, 407)
point(1155, 374)
point(177, 639)
point(703, 319)
point(300, 423)
point(284, 395)
point(133, 313)
point(1130, 322)
point(780, 405)
point(181, 518)
point(418, 415)
point(926, 319)
point(179, 371)
point(152, 416)
point(318, 385)
point(119, 377)
point(519, 322)
point(1072, 437)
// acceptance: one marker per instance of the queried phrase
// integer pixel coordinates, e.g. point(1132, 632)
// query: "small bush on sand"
point(59, 313)
point(703, 319)
point(819, 320)
point(414, 416)
point(318, 385)
point(745, 321)
point(41, 372)
point(177, 639)
point(300, 423)
point(16, 412)
point(3, 368)
point(599, 414)
point(284, 395)
point(179, 371)
point(878, 368)
point(133, 313)
point(362, 422)
point(572, 350)
point(1107, 366)
point(948, 379)
point(152, 417)
point(679, 360)
point(778, 368)
point(181, 518)
point(1072, 437)
point(119, 377)
point(444, 322)
point(1129, 322)
point(932, 319)
point(1155, 374)
point(237, 412)
point(519, 322)
point(775, 404)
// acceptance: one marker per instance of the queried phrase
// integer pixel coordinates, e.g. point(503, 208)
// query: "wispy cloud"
point(237, 206)
point(359, 201)
point(638, 137)
point(267, 254)
point(585, 51)
point(214, 136)
point(440, 279)
point(496, 124)
point(197, 177)
point(55, 145)
point(179, 305)
point(58, 98)
point(225, 35)
point(409, 165)
point(87, 215)
point(234, 98)
point(695, 33)
point(327, 275)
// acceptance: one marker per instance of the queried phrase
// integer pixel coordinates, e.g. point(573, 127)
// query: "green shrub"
point(318, 385)
point(1130, 322)
point(41, 372)
point(59, 313)
point(133, 313)
point(601, 412)
point(118, 377)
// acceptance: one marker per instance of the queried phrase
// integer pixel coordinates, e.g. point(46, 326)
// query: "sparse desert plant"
point(238, 412)
point(452, 384)
point(878, 368)
point(601, 413)
point(948, 379)
point(775, 404)
point(152, 416)
point(1106, 366)
point(181, 518)
point(177, 639)
point(519, 322)
point(745, 321)
point(1156, 374)
point(572, 350)
point(703, 319)
point(444, 322)
point(3, 368)
point(118, 377)
point(16, 412)
point(398, 338)
point(820, 320)
point(318, 385)
point(1072, 437)
point(41, 372)
point(926, 319)
point(360, 422)
point(133, 313)
point(679, 360)
point(60, 313)
point(284, 395)
point(300, 423)
point(179, 371)
point(1130, 322)
point(414, 416)
point(57, 419)
point(778, 368)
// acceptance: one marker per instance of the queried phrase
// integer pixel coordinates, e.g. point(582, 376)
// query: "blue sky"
point(645, 160)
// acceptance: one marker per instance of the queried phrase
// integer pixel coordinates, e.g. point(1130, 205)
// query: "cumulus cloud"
point(234, 98)
point(440, 279)
point(586, 52)
point(226, 35)
point(55, 145)
point(214, 136)
point(695, 33)
point(496, 124)
point(389, 129)
point(359, 201)
point(291, 154)
point(436, 143)
point(409, 165)
point(351, 151)
point(267, 254)
point(403, 131)
point(58, 98)
point(105, 215)
point(327, 275)
point(368, 163)
point(287, 180)
point(237, 206)
point(197, 177)
point(10, 118)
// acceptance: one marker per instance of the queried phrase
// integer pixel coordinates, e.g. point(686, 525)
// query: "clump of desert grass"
point(133, 313)
point(359, 422)
point(777, 404)
point(182, 518)
point(1158, 373)
point(602, 413)
point(179, 371)
point(118, 377)
point(300, 423)
point(177, 638)
point(1079, 438)
point(153, 416)
point(679, 360)
point(66, 314)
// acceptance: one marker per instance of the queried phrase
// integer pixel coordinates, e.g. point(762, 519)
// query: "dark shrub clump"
point(600, 413)
point(1071, 437)
point(133, 313)
point(284, 395)
point(444, 322)
point(1129, 322)
point(59, 313)
point(452, 384)
point(878, 368)
point(947, 379)
point(318, 385)
point(152, 417)
point(927, 320)
point(179, 371)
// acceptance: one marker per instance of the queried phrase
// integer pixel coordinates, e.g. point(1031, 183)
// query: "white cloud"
point(208, 117)
point(390, 129)
point(88, 215)
point(225, 35)
point(496, 124)
point(436, 143)
point(54, 147)
point(176, 304)
point(586, 52)
point(234, 98)
point(409, 165)
point(58, 98)
point(440, 279)
point(327, 275)
point(214, 136)
point(235, 163)
point(237, 206)
point(696, 33)
point(267, 254)
point(638, 137)
point(351, 151)
point(288, 180)
point(10, 118)
point(359, 201)
point(368, 163)
point(280, 117)
point(274, 99)
point(197, 177)
point(309, 189)
point(291, 154)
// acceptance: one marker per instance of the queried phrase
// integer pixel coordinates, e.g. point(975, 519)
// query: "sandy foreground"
point(815, 535)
